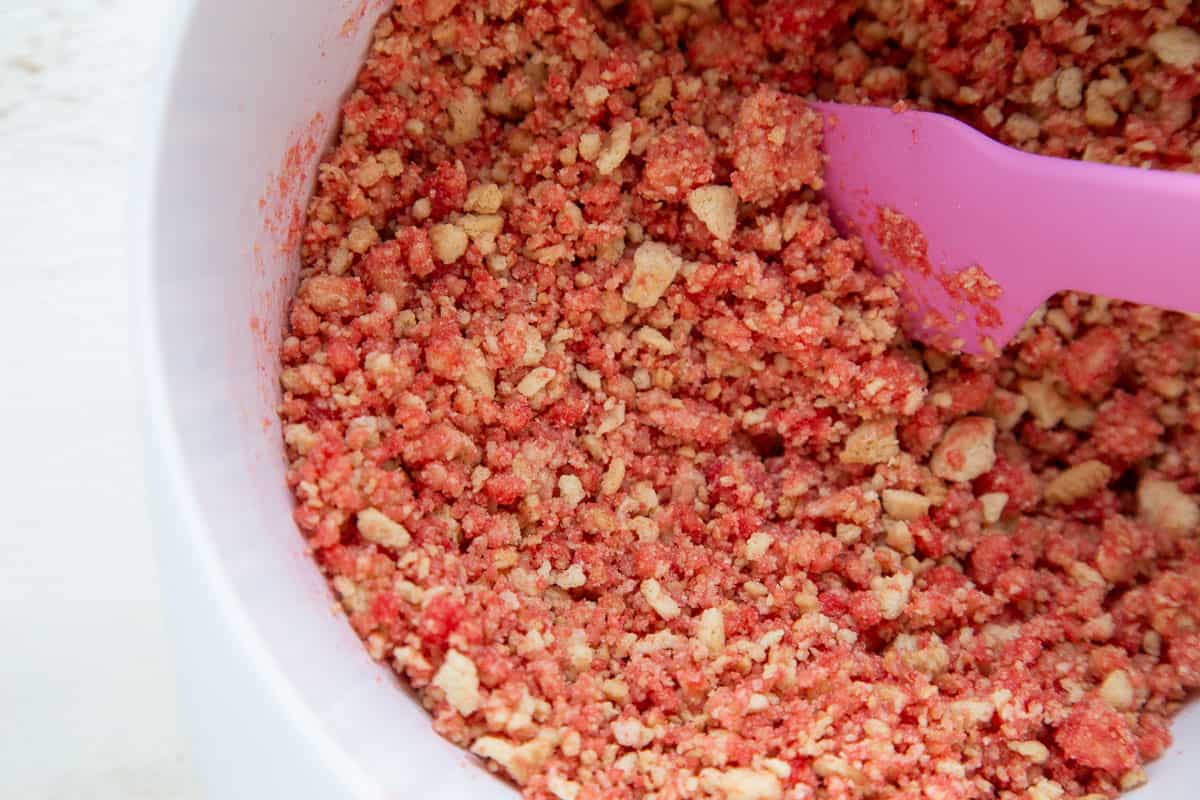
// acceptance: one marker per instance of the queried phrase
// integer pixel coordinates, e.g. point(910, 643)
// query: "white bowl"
point(281, 698)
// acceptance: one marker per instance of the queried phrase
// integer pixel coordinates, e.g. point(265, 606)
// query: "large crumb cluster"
point(614, 449)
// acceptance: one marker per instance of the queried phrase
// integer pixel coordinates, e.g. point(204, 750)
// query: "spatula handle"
point(1126, 233)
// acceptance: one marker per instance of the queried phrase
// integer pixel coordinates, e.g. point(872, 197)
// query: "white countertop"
point(87, 706)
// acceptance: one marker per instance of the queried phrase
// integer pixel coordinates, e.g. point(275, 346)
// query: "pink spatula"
point(1034, 224)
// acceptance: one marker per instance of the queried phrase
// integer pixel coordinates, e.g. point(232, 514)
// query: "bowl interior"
point(251, 103)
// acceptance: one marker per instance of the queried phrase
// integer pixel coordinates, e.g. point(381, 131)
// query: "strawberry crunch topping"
point(618, 454)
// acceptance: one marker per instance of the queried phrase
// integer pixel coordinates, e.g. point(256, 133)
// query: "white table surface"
point(87, 705)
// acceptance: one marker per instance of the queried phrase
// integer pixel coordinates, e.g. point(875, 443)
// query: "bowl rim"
point(167, 473)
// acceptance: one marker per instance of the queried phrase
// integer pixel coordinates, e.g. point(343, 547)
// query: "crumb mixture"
point(615, 451)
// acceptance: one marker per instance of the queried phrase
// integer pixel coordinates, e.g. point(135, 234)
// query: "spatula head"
point(919, 189)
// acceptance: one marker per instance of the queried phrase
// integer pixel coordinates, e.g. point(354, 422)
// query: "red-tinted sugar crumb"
point(974, 288)
point(616, 452)
point(1097, 737)
point(1090, 363)
point(902, 240)
point(946, 297)
point(775, 148)
point(677, 161)
point(283, 202)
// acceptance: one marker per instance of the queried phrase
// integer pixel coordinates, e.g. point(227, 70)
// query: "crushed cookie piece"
point(1078, 482)
point(716, 207)
point(654, 268)
point(458, 678)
